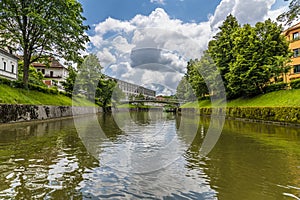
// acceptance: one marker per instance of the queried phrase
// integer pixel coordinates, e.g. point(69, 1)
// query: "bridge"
point(176, 103)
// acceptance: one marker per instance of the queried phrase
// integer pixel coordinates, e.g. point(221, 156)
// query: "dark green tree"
point(220, 48)
point(70, 81)
point(108, 92)
point(42, 28)
point(292, 14)
point(196, 79)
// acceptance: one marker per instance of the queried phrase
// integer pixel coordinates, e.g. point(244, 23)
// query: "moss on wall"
point(276, 114)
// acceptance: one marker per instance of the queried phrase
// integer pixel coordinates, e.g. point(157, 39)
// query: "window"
point(43, 71)
point(296, 36)
point(4, 66)
point(296, 53)
point(51, 73)
point(297, 69)
point(12, 68)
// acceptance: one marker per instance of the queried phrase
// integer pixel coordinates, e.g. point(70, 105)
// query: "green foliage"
point(107, 91)
point(295, 84)
point(275, 87)
point(184, 90)
point(220, 48)
point(70, 81)
point(292, 14)
point(281, 98)
point(35, 77)
point(259, 52)
point(43, 28)
point(196, 79)
point(89, 74)
point(12, 95)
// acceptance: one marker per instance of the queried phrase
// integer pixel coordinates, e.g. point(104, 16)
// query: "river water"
point(147, 156)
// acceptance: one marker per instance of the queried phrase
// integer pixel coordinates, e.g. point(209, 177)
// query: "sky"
point(149, 42)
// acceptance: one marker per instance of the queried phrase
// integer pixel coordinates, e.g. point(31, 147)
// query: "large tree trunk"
point(26, 70)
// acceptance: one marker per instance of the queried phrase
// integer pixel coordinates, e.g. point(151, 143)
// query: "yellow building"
point(293, 36)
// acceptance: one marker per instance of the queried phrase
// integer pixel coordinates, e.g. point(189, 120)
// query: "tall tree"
point(42, 28)
point(258, 52)
point(70, 80)
point(108, 92)
point(184, 90)
point(292, 14)
point(220, 48)
point(195, 78)
point(89, 74)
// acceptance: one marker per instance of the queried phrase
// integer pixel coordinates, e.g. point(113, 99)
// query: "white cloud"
point(142, 49)
point(106, 57)
point(162, 2)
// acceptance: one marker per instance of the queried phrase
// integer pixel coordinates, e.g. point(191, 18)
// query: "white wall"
point(10, 70)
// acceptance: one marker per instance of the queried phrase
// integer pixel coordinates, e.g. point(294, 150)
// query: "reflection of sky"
point(146, 161)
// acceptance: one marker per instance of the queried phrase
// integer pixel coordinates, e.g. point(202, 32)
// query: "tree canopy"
point(247, 58)
point(292, 14)
point(43, 28)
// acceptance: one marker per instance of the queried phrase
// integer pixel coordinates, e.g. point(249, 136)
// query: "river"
point(147, 155)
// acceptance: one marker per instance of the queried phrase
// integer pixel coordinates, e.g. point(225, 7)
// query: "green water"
point(147, 156)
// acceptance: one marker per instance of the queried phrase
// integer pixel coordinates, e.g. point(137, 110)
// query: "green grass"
point(11, 95)
point(283, 98)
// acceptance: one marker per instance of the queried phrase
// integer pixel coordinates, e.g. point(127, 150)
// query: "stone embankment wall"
point(18, 113)
point(276, 115)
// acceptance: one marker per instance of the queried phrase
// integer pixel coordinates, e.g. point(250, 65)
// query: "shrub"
point(295, 84)
point(276, 87)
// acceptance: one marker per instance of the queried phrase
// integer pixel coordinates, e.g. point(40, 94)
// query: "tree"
point(89, 74)
point(220, 48)
point(35, 78)
point(196, 79)
point(292, 14)
point(70, 80)
point(43, 28)
point(184, 90)
point(257, 53)
point(108, 91)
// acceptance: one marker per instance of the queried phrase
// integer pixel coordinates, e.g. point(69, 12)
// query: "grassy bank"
point(283, 98)
point(9, 95)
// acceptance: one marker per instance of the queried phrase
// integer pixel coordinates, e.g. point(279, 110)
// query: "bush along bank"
point(284, 115)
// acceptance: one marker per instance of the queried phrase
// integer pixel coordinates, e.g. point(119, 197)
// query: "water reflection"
point(151, 155)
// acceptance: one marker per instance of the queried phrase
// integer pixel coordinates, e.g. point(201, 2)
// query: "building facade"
point(8, 65)
point(54, 75)
point(293, 36)
point(132, 90)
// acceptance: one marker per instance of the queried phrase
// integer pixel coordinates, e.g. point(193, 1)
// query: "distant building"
point(54, 75)
point(293, 36)
point(8, 65)
point(133, 90)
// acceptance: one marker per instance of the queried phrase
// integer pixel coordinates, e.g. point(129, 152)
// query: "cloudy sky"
point(148, 42)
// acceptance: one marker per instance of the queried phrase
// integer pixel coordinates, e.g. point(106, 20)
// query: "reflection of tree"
point(141, 118)
point(250, 158)
point(42, 160)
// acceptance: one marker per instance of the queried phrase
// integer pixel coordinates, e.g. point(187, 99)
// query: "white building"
point(8, 65)
point(133, 90)
point(54, 75)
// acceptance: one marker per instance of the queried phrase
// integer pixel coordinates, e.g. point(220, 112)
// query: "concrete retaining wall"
point(18, 113)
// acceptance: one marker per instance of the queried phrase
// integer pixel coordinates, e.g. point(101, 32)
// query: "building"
point(132, 90)
point(8, 65)
point(293, 36)
point(54, 74)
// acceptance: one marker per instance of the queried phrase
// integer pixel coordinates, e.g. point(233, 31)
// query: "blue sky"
point(149, 42)
point(190, 10)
